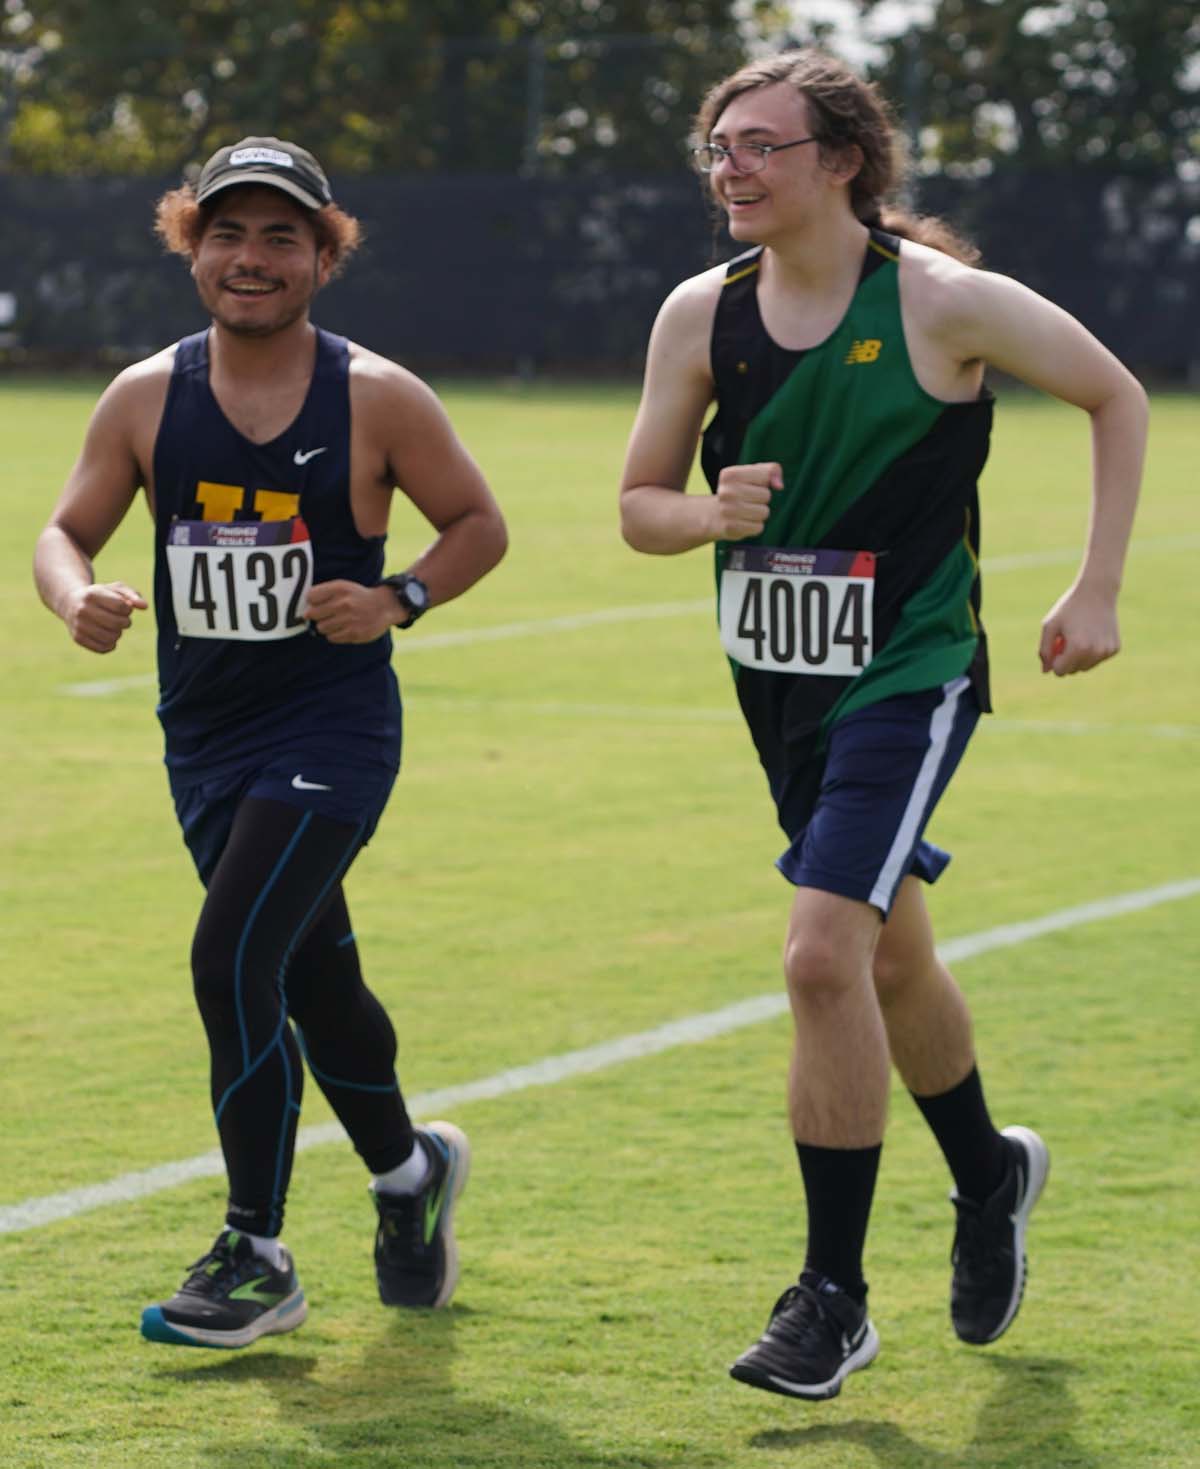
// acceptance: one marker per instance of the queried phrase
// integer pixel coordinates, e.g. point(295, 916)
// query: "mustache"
point(249, 278)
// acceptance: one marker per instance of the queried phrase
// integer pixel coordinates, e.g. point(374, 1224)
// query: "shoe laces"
point(202, 1277)
point(799, 1312)
point(402, 1217)
point(982, 1239)
point(402, 1221)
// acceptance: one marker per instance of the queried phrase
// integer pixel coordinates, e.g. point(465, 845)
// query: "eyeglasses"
point(745, 157)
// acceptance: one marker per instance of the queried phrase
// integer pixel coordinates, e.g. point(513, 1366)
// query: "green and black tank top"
point(875, 469)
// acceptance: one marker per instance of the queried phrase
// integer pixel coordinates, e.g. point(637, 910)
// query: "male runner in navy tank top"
point(851, 424)
point(269, 451)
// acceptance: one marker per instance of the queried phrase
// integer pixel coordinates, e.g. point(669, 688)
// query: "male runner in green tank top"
point(846, 354)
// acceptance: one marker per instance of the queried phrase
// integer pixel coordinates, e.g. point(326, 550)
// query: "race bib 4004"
point(795, 611)
point(242, 580)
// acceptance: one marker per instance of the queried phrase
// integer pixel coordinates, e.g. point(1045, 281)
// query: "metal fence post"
point(535, 101)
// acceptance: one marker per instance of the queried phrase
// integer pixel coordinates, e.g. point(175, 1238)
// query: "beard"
point(249, 326)
point(261, 328)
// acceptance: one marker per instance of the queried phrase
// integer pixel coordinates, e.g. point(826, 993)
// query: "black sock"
point(839, 1184)
point(966, 1135)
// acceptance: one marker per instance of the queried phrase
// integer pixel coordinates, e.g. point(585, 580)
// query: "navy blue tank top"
point(223, 699)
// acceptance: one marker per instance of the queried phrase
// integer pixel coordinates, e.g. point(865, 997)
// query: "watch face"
point(416, 594)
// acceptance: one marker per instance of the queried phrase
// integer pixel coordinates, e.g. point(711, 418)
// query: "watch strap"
point(412, 594)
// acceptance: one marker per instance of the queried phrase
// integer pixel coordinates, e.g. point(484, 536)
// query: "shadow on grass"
point(1029, 1418)
point(395, 1403)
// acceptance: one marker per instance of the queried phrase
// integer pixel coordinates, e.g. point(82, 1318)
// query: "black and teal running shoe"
point(416, 1258)
point(230, 1298)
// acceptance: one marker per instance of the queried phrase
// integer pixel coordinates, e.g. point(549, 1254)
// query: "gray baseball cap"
point(273, 162)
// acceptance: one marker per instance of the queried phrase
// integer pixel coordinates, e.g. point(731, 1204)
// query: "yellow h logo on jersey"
point(866, 350)
point(222, 502)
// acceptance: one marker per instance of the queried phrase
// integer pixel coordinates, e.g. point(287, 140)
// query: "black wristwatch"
point(412, 594)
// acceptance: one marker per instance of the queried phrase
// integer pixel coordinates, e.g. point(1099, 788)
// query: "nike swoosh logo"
point(302, 457)
point(1022, 1185)
point(300, 784)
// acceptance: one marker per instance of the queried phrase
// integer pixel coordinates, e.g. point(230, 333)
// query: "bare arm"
point(407, 427)
point(656, 515)
point(1003, 323)
point(435, 471)
point(97, 495)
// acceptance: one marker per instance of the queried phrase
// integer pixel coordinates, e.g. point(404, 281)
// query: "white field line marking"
point(692, 1030)
point(1027, 560)
point(467, 636)
point(101, 688)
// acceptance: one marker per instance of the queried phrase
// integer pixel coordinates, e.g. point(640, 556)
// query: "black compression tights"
point(274, 941)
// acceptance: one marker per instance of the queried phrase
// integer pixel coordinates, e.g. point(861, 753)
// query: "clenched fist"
point(98, 614)
point(743, 499)
point(348, 612)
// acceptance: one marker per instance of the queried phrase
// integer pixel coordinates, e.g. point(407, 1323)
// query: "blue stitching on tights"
point(350, 1086)
point(250, 1067)
point(244, 939)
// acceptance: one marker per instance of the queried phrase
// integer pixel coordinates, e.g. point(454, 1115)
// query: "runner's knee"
point(815, 968)
point(231, 977)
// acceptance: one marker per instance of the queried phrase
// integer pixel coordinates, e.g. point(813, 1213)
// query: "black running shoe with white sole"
point(989, 1243)
point(416, 1258)
point(230, 1298)
point(816, 1337)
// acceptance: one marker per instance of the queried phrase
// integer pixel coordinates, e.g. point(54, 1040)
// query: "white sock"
point(406, 1177)
point(270, 1250)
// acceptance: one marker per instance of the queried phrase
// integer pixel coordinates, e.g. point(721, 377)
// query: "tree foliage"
point(553, 86)
point(373, 85)
point(1114, 83)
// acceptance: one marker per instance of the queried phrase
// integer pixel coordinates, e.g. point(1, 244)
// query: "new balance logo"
point(865, 350)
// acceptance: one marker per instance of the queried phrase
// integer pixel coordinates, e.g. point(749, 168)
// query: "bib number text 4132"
point(242, 581)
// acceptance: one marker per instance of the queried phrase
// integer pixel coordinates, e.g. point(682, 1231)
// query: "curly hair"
point(180, 222)
point(844, 111)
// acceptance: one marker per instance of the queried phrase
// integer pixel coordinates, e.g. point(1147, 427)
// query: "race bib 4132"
point(246, 581)
point(797, 611)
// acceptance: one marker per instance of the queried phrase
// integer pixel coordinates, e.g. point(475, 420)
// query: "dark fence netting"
point(1121, 253)
point(531, 275)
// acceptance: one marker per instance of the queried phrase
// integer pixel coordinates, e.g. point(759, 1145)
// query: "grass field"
point(580, 850)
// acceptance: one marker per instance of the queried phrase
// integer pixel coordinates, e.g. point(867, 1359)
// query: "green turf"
point(579, 848)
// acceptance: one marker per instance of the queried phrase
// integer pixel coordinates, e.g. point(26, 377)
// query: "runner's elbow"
point(638, 524)
point(497, 538)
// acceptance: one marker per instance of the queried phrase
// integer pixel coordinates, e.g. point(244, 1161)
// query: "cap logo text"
point(241, 156)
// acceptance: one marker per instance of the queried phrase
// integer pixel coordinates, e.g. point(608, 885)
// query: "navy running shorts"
point(353, 791)
point(884, 771)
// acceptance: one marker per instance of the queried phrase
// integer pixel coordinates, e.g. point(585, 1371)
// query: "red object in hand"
point(1057, 646)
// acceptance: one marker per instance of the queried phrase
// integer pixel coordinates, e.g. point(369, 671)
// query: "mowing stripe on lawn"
point(644, 714)
point(692, 1030)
